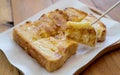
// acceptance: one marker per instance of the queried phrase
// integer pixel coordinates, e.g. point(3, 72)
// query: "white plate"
point(84, 54)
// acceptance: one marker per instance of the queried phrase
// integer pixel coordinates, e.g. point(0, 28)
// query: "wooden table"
point(108, 64)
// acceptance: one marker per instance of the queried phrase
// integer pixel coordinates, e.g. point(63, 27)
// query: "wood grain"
point(5, 14)
point(23, 9)
point(109, 63)
point(5, 67)
point(97, 69)
point(103, 5)
point(5, 11)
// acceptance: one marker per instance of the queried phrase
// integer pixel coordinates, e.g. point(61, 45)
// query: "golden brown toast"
point(59, 17)
point(81, 32)
point(99, 27)
point(75, 14)
point(50, 40)
point(45, 27)
point(51, 53)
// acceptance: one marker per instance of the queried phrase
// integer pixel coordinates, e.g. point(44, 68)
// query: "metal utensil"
point(107, 11)
point(6, 68)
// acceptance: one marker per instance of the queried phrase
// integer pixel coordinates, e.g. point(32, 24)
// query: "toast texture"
point(99, 27)
point(50, 39)
point(51, 53)
point(81, 32)
point(75, 14)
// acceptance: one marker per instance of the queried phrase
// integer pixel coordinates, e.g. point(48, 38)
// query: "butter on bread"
point(98, 26)
point(81, 32)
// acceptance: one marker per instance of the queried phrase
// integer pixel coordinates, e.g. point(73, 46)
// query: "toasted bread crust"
point(28, 47)
point(50, 65)
point(44, 39)
point(75, 14)
point(81, 32)
point(99, 27)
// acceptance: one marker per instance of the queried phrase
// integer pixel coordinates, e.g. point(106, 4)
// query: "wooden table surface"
point(19, 10)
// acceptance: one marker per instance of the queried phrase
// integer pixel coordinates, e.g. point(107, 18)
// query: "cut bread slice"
point(75, 14)
point(51, 53)
point(99, 27)
point(53, 38)
point(81, 32)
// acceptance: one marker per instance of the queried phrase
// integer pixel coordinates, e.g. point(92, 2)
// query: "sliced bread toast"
point(99, 27)
point(52, 39)
point(51, 53)
point(81, 32)
point(75, 14)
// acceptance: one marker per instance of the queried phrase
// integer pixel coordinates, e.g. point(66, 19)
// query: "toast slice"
point(54, 38)
point(45, 27)
point(81, 32)
point(60, 18)
point(99, 27)
point(51, 53)
point(75, 14)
